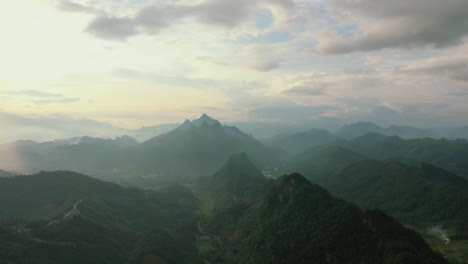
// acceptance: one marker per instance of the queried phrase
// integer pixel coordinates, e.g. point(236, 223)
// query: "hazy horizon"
point(43, 129)
point(139, 63)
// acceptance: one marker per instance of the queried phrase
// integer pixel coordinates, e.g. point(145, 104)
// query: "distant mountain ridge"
point(451, 155)
point(299, 142)
point(48, 128)
point(198, 147)
point(201, 146)
point(145, 133)
point(194, 148)
point(82, 154)
point(354, 130)
point(6, 173)
point(322, 161)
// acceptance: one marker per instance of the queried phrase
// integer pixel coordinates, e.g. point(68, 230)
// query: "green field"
point(204, 247)
point(456, 252)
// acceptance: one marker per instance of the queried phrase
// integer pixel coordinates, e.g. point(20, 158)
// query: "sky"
point(133, 63)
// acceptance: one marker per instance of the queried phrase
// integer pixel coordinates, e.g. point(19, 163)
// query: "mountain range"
point(43, 129)
point(451, 155)
point(354, 130)
point(199, 147)
point(296, 143)
point(240, 200)
point(195, 148)
point(65, 217)
point(323, 160)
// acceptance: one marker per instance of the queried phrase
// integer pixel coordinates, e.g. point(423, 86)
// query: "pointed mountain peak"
point(239, 165)
point(207, 120)
point(292, 180)
point(237, 181)
point(292, 189)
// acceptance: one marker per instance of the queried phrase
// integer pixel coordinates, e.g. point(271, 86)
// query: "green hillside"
point(237, 181)
point(321, 161)
point(65, 217)
point(451, 155)
point(413, 192)
point(298, 222)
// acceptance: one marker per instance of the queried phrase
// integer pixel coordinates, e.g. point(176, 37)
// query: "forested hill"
point(237, 181)
point(451, 155)
point(415, 193)
point(299, 222)
point(321, 161)
point(64, 217)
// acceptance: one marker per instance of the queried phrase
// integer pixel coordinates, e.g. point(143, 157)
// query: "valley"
point(241, 202)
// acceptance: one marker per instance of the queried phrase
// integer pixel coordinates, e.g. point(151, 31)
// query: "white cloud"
point(151, 19)
point(174, 58)
point(397, 24)
point(40, 97)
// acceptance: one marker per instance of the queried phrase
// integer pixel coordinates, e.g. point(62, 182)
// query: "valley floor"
point(456, 251)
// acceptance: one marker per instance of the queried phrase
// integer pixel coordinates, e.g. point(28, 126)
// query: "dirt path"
point(29, 236)
point(72, 211)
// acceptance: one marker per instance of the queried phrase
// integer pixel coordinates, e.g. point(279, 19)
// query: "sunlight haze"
point(139, 63)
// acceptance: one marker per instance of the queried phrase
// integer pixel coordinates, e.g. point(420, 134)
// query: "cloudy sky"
point(132, 63)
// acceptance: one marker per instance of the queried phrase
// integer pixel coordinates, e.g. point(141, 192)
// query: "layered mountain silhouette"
point(83, 154)
point(145, 133)
point(299, 142)
point(200, 147)
point(321, 161)
point(451, 155)
point(195, 148)
point(413, 192)
point(354, 130)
